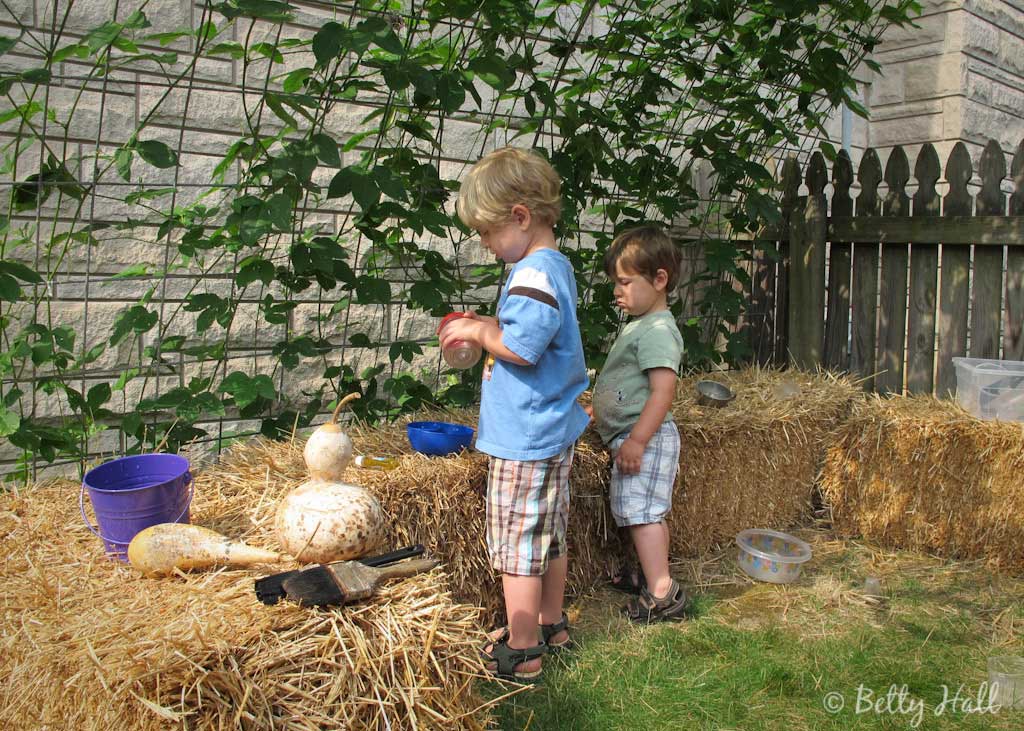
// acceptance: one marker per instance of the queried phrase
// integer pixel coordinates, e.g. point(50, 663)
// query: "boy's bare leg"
point(651, 542)
point(522, 605)
point(552, 596)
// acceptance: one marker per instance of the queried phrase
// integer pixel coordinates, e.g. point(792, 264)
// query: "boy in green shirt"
point(632, 413)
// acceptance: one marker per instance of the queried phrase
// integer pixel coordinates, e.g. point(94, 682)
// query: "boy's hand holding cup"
point(457, 352)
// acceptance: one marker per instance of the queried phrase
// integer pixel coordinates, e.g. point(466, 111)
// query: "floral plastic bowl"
point(769, 555)
point(438, 438)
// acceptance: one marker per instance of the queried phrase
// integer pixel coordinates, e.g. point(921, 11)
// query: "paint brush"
point(270, 589)
point(343, 582)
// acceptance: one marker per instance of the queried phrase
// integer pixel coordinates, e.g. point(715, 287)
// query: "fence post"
point(1013, 328)
point(790, 206)
point(892, 299)
point(956, 260)
point(988, 260)
point(865, 276)
point(924, 271)
point(837, 350)
point(807, 287)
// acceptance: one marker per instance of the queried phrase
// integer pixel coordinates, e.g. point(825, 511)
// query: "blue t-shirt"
point(531, 412)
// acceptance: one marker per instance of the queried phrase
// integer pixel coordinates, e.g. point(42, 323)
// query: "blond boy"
point(529, 414)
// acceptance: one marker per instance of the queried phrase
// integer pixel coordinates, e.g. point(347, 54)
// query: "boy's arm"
point(663, 391)
point(485, 333)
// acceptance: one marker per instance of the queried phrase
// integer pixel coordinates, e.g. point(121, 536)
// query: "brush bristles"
point(314, 587)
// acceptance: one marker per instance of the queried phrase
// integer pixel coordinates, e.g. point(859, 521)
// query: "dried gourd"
point(326, 519)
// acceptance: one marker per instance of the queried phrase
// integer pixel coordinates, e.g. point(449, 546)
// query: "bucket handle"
point(81, 507)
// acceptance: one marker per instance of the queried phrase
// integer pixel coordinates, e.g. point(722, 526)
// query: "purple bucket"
point(133, 493)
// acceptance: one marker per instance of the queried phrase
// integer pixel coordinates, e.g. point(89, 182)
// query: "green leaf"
point(329, 42)
point(75, 49)
point(131, 424)
point(23, 111)
point(425, 296)
point(9, 288)
point(493, 71)
point(252, 269)
point(228, 48)
point(326, 150)
point(22, 272)
point(270, 10)
point(92, 354)
point(268, 50)
point(293, 81)
point(123, 161)
point(342, 183)
point(378, 31)
point(9, 422)
point(6, 44)
point(156, 153)
point(370, 291)
point(274, 102)
point(146, 195)
point(279, 211)
point(355, 139)
point(102, 36)
point(124, 378)
point(135, 319)
point(64, 336)
point(36, 76)
point(135, 270)
point(166, 39)
point(245, 390)
point(136, 21)
point(98, 395)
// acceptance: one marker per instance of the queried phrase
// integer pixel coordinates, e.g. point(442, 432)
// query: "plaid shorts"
point(646, 497)
point(527, 512)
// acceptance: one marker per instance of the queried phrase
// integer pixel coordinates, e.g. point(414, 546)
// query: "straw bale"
point(754, 462)
point(439, 502)
point(87, 643)
point(922, 474)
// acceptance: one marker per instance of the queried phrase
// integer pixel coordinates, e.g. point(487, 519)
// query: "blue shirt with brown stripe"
point(531, 412)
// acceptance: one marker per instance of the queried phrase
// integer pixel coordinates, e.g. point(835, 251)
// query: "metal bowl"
point(712, 393)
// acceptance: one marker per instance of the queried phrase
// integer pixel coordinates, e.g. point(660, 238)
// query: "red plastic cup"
point(459, 354)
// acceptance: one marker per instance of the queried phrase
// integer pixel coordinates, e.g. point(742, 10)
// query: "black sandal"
point(647, 609)
point(628, 580)
point(550, 630)
point(507, 658)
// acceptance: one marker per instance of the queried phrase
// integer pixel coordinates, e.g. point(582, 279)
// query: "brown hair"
point(644, 250)
point(505, 178)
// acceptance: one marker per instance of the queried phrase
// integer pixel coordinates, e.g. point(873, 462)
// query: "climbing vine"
point(627, 100)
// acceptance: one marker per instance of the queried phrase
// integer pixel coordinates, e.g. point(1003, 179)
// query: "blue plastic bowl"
point(438, 438)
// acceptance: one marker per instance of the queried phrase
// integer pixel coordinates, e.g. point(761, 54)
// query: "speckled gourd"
point(325, 519)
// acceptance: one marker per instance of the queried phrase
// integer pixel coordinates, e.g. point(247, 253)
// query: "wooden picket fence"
point(890, 287)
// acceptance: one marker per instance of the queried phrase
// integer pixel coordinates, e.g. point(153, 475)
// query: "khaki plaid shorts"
point(646, 497)
point(527, 512)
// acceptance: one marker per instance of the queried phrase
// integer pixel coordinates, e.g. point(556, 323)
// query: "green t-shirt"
point(622, 388)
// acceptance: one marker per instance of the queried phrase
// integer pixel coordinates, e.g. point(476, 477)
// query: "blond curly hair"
point(505, 178)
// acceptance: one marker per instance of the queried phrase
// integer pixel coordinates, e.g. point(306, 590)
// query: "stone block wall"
point(958, 76)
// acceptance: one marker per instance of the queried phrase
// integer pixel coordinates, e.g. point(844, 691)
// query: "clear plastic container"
point(990, 389)
point(1006, 681)
point(459, 354)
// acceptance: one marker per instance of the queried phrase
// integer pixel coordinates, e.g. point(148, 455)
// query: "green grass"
point(759, 657)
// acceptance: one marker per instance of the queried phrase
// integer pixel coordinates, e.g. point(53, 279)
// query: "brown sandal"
point(550, 630)
point(647, 609)
point(506, 658)
point(628, 580)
